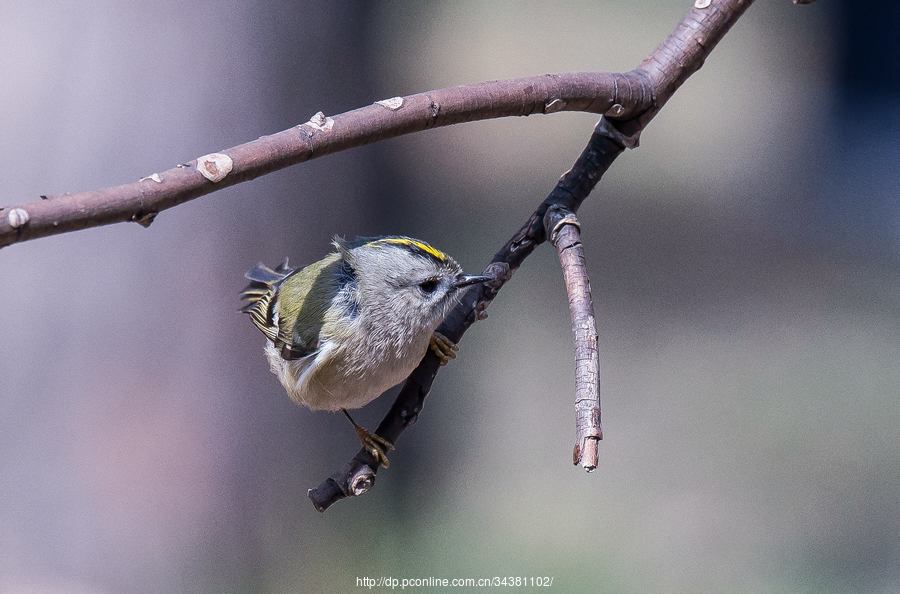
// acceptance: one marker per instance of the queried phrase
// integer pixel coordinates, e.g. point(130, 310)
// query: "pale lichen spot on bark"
point(320, 122)
point(215, 166)
point(394, 103)
point(152, 177)
point(17, 217)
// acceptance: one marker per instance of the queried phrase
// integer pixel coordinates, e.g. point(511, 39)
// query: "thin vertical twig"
point(564, 231)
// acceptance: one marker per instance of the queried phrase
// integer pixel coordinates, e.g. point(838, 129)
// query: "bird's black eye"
point(428, 286)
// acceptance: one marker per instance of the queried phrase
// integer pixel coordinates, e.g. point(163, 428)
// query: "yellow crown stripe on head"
point(430, 250)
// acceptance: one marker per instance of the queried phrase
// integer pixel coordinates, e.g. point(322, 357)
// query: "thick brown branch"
point(562, 227)
point(682, 53)
point(633, 97)
point(596, 92)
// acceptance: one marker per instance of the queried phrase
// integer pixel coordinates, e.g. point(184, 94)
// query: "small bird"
point(344, 329)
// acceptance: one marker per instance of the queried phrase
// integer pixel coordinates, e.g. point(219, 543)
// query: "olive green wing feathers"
point(288, 306)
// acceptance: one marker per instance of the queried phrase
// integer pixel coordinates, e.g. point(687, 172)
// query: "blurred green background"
point(745, 265)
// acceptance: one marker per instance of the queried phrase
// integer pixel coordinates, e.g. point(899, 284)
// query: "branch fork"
point(628, 101)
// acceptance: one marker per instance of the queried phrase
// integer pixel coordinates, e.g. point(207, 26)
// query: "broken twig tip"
point(215, 166)
point(362, 481)
point(590, 455)
point(319, 499)
point(702, 3)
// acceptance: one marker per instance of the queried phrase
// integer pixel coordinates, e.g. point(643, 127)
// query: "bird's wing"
point(303, 300)
point(289, 306)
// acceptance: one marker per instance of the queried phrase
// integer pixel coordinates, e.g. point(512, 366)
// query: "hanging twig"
point(562, 227)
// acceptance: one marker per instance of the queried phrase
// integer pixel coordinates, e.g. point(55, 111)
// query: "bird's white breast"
point(331, 379)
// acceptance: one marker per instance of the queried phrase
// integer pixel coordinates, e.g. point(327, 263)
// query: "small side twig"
point(562, 227)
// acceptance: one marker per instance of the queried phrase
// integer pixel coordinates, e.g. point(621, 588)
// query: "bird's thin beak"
point(465, 280)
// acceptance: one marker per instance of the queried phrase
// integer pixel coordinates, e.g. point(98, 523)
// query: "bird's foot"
point(375, 445)
point(443, 347)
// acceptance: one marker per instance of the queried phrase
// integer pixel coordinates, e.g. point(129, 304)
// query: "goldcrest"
point(344, 329)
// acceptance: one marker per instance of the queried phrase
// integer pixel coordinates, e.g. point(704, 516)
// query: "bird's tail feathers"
point(260, 292)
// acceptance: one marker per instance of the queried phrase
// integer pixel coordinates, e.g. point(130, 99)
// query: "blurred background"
point(745, 265)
